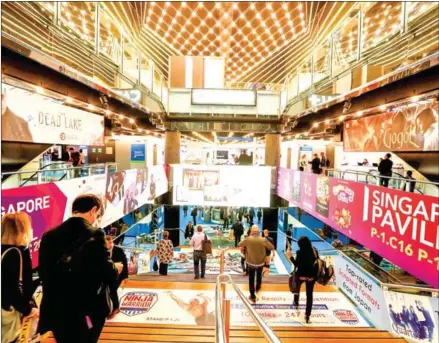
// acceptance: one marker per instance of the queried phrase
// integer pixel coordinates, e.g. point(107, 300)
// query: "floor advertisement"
point(188, 307)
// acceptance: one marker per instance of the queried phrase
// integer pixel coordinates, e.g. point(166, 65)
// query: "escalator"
point(425, 163)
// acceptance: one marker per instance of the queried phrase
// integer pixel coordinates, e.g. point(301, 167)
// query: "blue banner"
point(138, 152)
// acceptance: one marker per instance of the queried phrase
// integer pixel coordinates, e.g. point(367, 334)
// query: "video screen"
point(222, 185)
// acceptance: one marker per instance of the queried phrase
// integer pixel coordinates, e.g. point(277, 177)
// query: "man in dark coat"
point(75, 269)
point(238, 231)
point(385, 169)
point(315, 164)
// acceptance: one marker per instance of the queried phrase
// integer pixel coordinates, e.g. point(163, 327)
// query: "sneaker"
point(252, 299)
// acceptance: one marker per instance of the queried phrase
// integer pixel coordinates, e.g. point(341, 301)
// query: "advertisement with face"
point(31, 117)
point(413, 317)
point(413, 127)
point(222, 185)
point(322, 193)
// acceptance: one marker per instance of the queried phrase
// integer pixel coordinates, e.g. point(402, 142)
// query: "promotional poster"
point(222, 185)
point(400, 226)
point(50, 204)
point(31, 117)
point(412, 127)
point(363, 290)
point(190, 307)
point(413, 317)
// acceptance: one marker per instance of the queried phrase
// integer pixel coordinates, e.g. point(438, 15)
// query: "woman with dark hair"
point(306, 271)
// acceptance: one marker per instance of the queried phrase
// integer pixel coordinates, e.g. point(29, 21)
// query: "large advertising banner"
point(408, 128)
point(50, 204)
point(222, 185)
point(45, 204)
point(31, 117)
point(413, 317)
point(364, 291)
point(400, 226)
point(189, 307)
point(285, 183)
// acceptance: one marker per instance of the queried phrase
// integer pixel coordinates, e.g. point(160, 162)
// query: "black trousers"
point(243, 265)
point(225, 223)
point(254, 272)
point(384, 181)
point(309, 295)
point(195, 220)
point(237, 239)
point(199, 256)
point(74, 330)
point(163, 269)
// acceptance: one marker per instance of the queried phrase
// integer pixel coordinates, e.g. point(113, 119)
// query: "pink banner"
point(45, 204)
point(400, 226)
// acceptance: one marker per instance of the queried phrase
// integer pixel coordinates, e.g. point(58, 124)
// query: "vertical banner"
point(413, 317)
point(308, 192)
point(138, 155)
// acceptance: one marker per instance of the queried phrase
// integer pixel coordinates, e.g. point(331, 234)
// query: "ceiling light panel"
point(242, 32)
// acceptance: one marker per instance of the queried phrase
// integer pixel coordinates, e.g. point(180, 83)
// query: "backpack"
point(324, 273)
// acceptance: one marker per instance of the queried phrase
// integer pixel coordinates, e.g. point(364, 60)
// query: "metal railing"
point(46, 175)
point(222, 313)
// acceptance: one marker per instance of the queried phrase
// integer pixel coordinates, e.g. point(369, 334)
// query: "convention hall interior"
point(228, 172)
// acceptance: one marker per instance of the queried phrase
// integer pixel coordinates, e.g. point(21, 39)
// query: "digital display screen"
point(222, 155)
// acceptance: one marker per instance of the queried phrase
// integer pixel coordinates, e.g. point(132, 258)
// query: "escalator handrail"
point(41, 169)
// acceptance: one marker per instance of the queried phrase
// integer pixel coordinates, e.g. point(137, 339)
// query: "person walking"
point(255, 247)
point(269, 254)
point(226, 218)
point(289, 234)
point(315, 164)
point(194, 214)
point(259, 215)
point(385, 169)
point(238, 231)
point(185, 210)
point(306, 272)
point(76, 270)
point(251, 214)
point(199, 254)
point(409, 182)
point(17, 287)
point(165, 250)
point(189, 231)
point(117, 255)
point(324, 163)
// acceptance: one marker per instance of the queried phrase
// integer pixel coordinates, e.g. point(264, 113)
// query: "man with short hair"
point(75, 269)
point(315, 164)
point(199, 254)
point(238, 231)
point(256, 247)
point(385, 169)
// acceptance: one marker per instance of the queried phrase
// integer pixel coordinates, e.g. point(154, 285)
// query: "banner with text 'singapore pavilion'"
point(400, 226)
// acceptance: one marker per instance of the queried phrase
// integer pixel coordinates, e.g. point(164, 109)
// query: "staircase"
point(142, 333)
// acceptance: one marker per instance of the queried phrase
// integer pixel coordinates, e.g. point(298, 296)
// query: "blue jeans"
point(199, 255)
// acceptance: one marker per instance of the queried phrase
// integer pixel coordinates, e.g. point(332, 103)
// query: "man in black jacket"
point(385, 169)
point(238, 231)
point(315, 164)
point(75, 268)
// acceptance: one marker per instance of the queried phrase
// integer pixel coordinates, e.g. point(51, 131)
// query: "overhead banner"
point(34, 118)
point(50, 204)
point(413, 127)
point(222, 185)
point(413, 317)
point(364, 291)
point(400, 226)
point(190, 307)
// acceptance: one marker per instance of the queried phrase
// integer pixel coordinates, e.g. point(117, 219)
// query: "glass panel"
point(146, 72)
point(292, 87)
point(157, 86)
point(165, 95)
point(110, 37)
point(415, 9)
point(130, 62)
point(47, 8)
point(321, 62)
point(79, 19)
point(305, 76)
point(345, 45)
point(380, 20)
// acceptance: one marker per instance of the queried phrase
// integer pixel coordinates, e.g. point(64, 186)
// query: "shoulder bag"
point(324, 272)
point(207, 245)
point(11, 319)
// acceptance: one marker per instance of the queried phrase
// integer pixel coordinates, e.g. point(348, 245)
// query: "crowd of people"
point(318, 165)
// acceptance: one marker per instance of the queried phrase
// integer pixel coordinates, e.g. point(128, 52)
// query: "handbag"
point(155, 265)
point(292, 283)
point(207, 245)
point(324, 272)
point(104, 300)
point(11, 319)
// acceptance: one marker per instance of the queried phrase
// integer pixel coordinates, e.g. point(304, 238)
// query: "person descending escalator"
point(305, 272)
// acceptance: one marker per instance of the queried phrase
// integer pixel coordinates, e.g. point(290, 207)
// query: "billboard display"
point(50, 204)
point(400, 226)
point(408, 128)
point(34, 118)
point(222, 185)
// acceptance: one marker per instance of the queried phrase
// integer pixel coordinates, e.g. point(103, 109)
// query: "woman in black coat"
point(306, 271)
point(16, 236)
